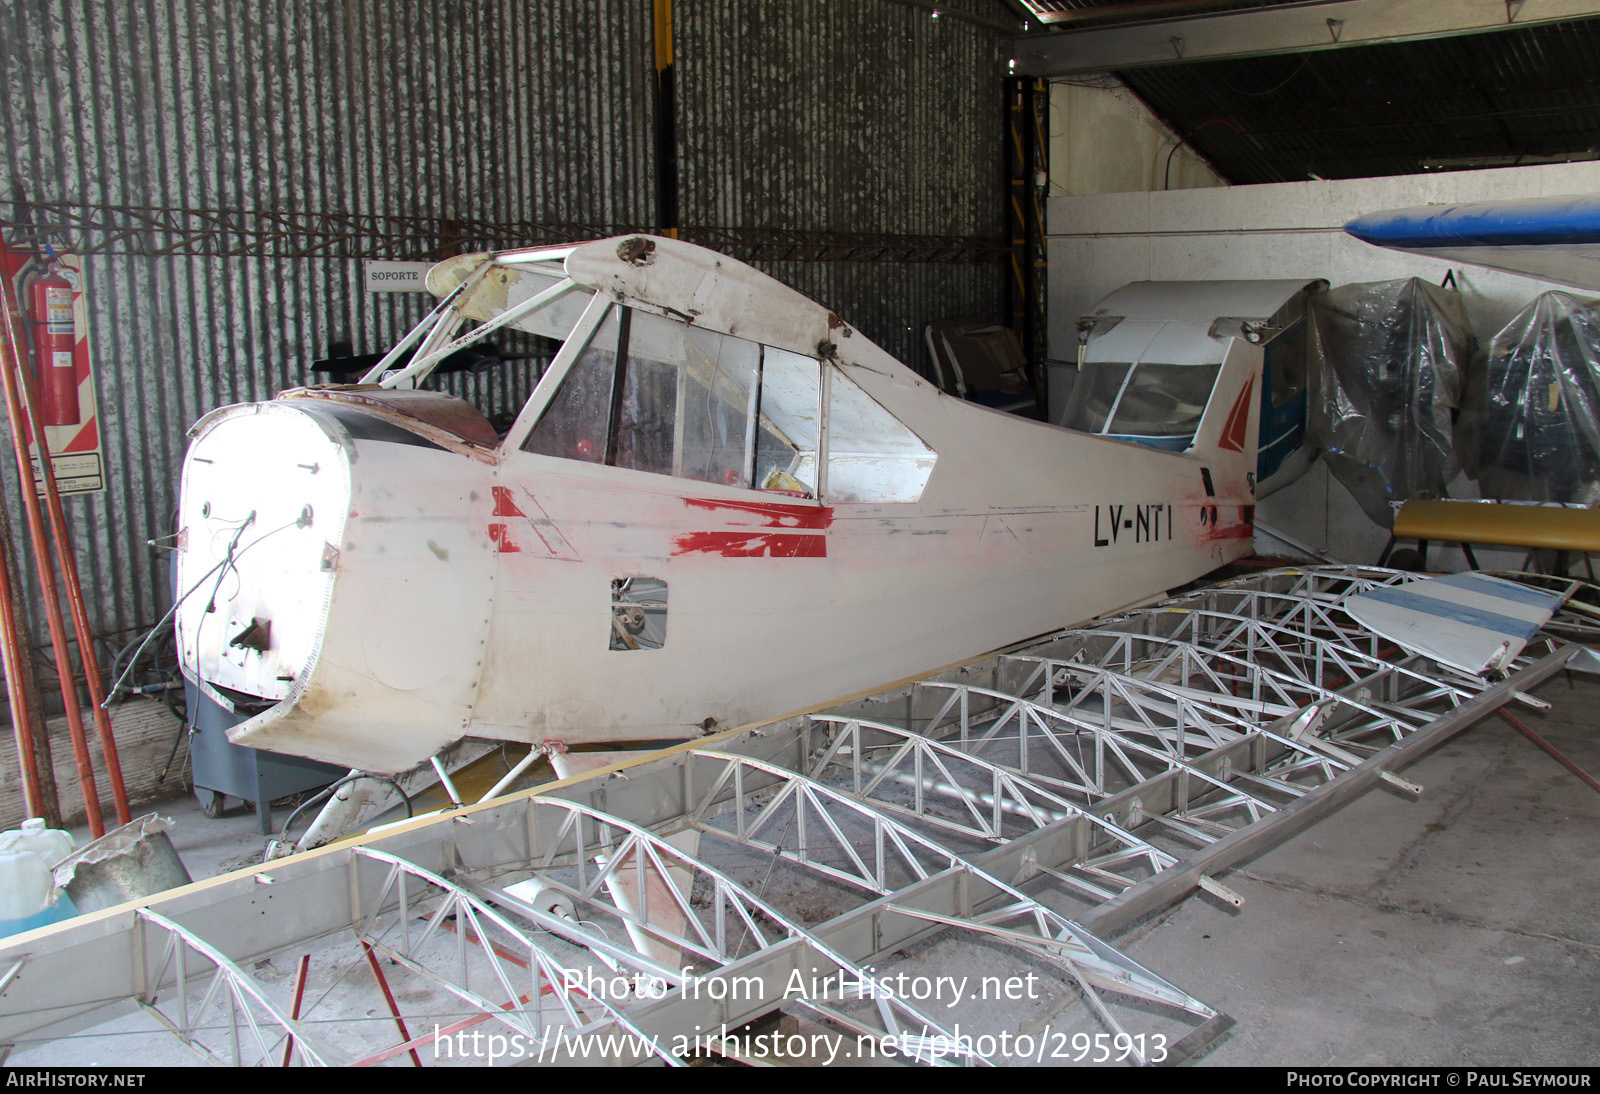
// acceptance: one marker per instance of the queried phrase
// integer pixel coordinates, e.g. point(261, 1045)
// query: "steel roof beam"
point(1260, 32)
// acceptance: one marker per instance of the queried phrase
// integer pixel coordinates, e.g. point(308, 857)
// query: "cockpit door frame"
point(544, 391)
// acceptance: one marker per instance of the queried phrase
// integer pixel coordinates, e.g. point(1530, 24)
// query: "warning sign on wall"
point(55, 338)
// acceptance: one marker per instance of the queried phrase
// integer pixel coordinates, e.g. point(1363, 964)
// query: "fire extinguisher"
point(54, 338)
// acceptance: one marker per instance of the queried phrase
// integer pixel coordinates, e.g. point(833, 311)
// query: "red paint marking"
point(777, 515)
point(549, 534)
point(504, 506)
point(1231, 531)
point(553, 543)
point(1243, 529)
point(1238, 419)
point(751, 545)
point(504, 544)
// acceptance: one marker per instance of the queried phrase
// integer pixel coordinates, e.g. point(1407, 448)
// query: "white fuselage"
point(412, 587)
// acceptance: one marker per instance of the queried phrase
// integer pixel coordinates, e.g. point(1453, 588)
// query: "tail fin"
point(1231, 425)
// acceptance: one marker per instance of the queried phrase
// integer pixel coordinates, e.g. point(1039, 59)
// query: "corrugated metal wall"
point(866, 117)
point(861, 117)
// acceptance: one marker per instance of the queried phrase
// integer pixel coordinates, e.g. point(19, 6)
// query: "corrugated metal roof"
point(1527, 95)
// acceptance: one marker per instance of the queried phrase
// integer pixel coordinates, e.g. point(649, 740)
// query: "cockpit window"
point(574, 426)
point(786, 446)
point(496, 371)
point(651, 394)
point(1163, 400)
point(1094, 395)
point(1149, 399)
point(871, 455)
point(686, 402)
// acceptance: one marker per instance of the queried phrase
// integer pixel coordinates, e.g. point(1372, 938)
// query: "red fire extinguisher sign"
point(50, 290)
point(54, 339)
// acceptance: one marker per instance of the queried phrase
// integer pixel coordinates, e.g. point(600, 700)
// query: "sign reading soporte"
point(383, 276)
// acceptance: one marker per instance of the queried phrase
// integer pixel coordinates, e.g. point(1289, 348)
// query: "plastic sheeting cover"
point(1388, 360)
point(1528, 430)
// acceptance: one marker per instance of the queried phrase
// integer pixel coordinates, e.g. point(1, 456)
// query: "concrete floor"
point(1459, 929)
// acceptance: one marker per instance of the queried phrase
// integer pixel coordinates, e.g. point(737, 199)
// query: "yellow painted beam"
point(663, 16)
point(1533, 526)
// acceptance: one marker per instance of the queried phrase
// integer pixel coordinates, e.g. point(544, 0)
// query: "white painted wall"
point(1104, 140)
point(1102, 241)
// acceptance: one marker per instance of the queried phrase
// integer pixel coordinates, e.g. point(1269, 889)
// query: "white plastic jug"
point(52, 844)
point(28, 894)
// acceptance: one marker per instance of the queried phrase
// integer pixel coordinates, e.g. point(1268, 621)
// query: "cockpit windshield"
point(652, 394)
point(1149, 399)
point(632, 389)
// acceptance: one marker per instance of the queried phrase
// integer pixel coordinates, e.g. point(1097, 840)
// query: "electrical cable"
point(1166, 174)
point(228, 560)
point(151, 633)
point(331, 788)
point(1279, 86)
point(177, 742)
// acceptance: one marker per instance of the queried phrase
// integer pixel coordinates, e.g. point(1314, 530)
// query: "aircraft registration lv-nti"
point(719, 504)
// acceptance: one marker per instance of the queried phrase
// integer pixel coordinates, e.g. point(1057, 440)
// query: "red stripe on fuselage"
point(752, 544)
point(769, 514)
point(504, 506)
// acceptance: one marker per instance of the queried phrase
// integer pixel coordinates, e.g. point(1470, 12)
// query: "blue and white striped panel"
point(1470, 621)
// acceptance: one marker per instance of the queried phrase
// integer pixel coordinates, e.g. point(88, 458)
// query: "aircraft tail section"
point(1230, 427)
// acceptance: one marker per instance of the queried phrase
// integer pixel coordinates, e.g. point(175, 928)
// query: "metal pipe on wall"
point(22, 409)
point(10, 375)
point(80, 615)
point(14, 655)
